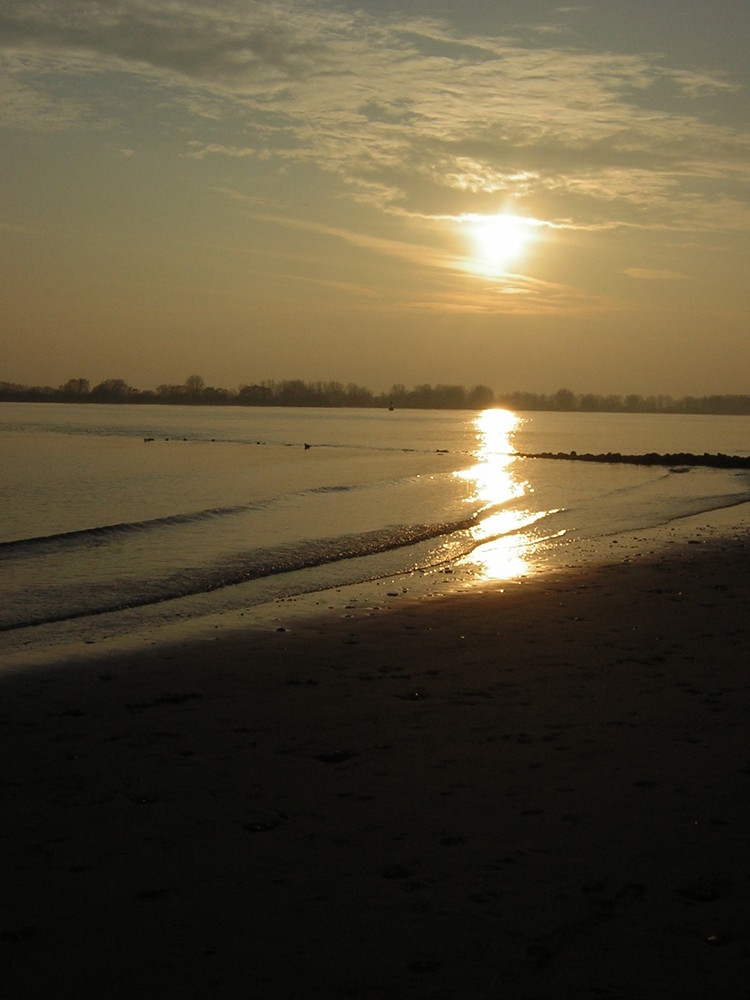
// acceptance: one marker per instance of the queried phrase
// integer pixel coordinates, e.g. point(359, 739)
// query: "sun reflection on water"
point(502, 547)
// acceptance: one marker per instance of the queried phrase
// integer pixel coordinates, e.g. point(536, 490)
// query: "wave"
point(106, 531)
point(330, 489)
point(92, 600)
point(43, 544)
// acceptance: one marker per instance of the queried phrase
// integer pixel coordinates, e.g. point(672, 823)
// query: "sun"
point(499, 239)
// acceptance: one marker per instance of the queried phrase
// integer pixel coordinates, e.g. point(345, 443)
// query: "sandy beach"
point(539, 790)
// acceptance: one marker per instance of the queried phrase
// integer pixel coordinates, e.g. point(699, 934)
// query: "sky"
point(525, 195)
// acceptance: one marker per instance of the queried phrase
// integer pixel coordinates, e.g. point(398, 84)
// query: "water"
point(118, 517)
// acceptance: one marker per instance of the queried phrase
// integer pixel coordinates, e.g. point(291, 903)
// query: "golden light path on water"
point(503, 549)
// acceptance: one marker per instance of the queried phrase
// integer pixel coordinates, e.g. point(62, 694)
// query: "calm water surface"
point(113, 517)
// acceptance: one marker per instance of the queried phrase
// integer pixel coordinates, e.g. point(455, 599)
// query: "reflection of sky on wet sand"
point(503, 548)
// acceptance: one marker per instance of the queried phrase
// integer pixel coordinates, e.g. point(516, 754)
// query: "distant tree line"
point(291, 392)
point(294, 392)
point(566, 401)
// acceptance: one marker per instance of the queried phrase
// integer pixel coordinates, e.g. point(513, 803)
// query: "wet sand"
point(542, 792)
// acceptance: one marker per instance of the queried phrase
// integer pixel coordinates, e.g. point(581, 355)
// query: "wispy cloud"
point(654, 274)
point(411, 115)
point(418, 254)
point(199, 151)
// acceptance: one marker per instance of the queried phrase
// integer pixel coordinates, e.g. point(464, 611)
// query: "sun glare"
point(501, 547)
point(498, 240)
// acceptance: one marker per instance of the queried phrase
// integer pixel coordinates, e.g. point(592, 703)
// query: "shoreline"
point(519, 561)
point(524, 790)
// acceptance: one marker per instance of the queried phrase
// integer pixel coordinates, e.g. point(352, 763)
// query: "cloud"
point(221, 42)
point(198, 151)
point(514, 295)
point(654, 274)
point(409, 113)
point(458, 288)
point(418, 254)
